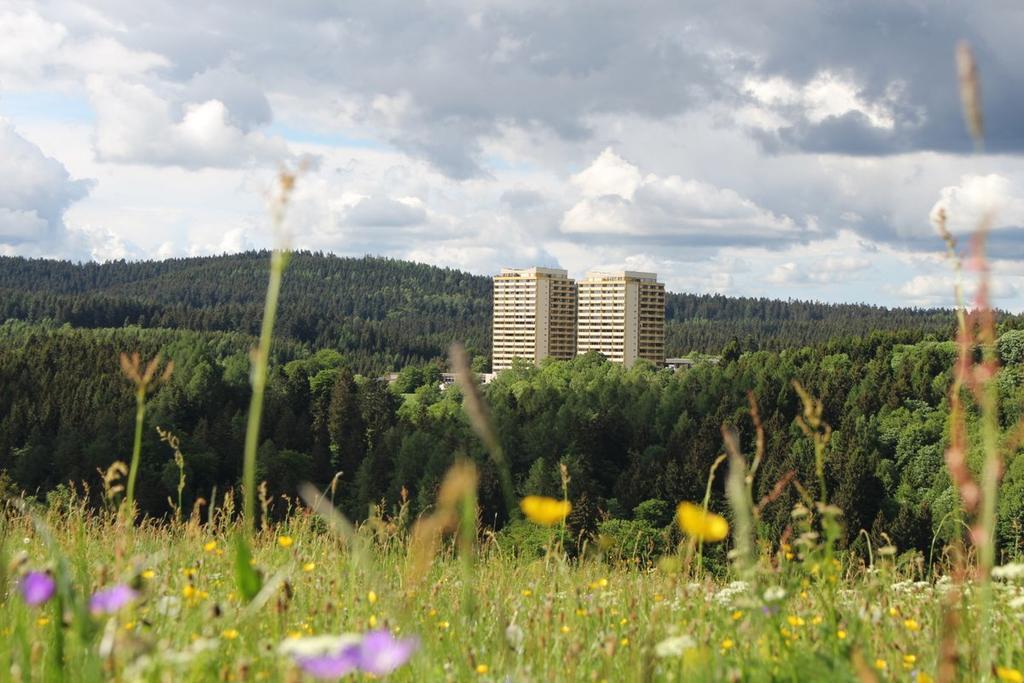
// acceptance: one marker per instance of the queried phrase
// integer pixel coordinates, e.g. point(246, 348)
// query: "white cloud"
point(617, 200)
point(34, 195)
point(135, 125)
point(978, 199)
point(827, 94)
point(34, 48)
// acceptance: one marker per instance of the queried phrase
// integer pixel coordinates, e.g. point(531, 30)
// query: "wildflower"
point(674, 647)
point(42, 621)
point(565, 629)
point(911, 625)
point(514, 636)
point(482, 669)
point(526, 592)
point(188, 591)
point(1009, 571)
point(909, 661)
point(373, 621)
point(285, 541)
point(377, 653)
point(37, 588)
point(700, 524)
point(148, 575)
point(308, 567)
point(229, 634)
point(1004, 673)
point(371, 598)
point(600, 583)
point(545, 511)
point(737, 615)
point(841, 634)
point(774, 593)
point(727, 644)
point(111, 600)
point(795, 621)
point(624, 642)
point(880, 664)
point(210, 546)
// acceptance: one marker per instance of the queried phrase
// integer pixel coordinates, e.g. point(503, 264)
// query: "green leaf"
point(247, 579)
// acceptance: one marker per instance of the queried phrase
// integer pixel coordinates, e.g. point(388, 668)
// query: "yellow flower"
point(880, 664)
point(188, 571)
point(188, 591)
point(229, 634)
point(727, 644)
point(923, 677)
point(909, 661)
point(372, 598)
point(699, 524)
point(210, 546)
point(624, 642)
point(737, 615)
point(600, 583)
point(841, 634)
point(911, 625)
point(285, 541)
point(309, 566)
point(373, 621)
point(565, 629)
point(545, 511)
point(148, 574)
point(527, 592)
point(42, 621)
point(794, 620)
point(1005, 673)
point(482, 669)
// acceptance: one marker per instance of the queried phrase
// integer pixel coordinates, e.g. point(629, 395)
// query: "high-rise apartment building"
point(534, 316)
point(622, 315)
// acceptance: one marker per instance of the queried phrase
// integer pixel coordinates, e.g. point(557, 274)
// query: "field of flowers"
point(88, 599)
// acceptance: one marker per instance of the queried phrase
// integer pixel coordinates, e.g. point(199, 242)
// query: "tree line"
point(385, 314)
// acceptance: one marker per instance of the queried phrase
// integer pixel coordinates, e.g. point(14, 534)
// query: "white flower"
point(514, 636)
point(317, 645)
point(774, 593)
point(674, 647)
point(1009, 571)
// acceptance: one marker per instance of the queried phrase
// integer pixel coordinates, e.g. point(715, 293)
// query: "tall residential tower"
point(622, 315)
point(534, 316)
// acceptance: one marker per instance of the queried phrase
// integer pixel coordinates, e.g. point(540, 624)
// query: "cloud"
point(939, 290)
point(977, 199)
point(135, 125)
point(34, 48)
point(36, 192)
point(617, 200)
point(385, 212)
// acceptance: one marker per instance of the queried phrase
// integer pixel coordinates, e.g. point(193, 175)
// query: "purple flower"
point(37, 588)
point(333, 665)
point(111, 600)
point(377, 653)
point(380, 653)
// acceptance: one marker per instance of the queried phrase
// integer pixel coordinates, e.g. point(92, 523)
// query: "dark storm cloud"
point(881, 43)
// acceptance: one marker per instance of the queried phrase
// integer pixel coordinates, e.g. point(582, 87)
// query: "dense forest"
point(384, 314)
point(634, 441)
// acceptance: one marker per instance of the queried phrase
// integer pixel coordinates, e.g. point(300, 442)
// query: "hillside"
point(385, 313)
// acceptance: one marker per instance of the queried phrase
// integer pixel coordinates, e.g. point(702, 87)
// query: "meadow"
point(91, 590)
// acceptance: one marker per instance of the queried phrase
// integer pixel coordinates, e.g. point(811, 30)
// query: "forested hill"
point(385, 313)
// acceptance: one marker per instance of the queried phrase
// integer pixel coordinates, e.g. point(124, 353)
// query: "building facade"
point(622, 316)
point(534, 316)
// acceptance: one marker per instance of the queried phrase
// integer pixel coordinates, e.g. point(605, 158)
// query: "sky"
point(791, 149)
